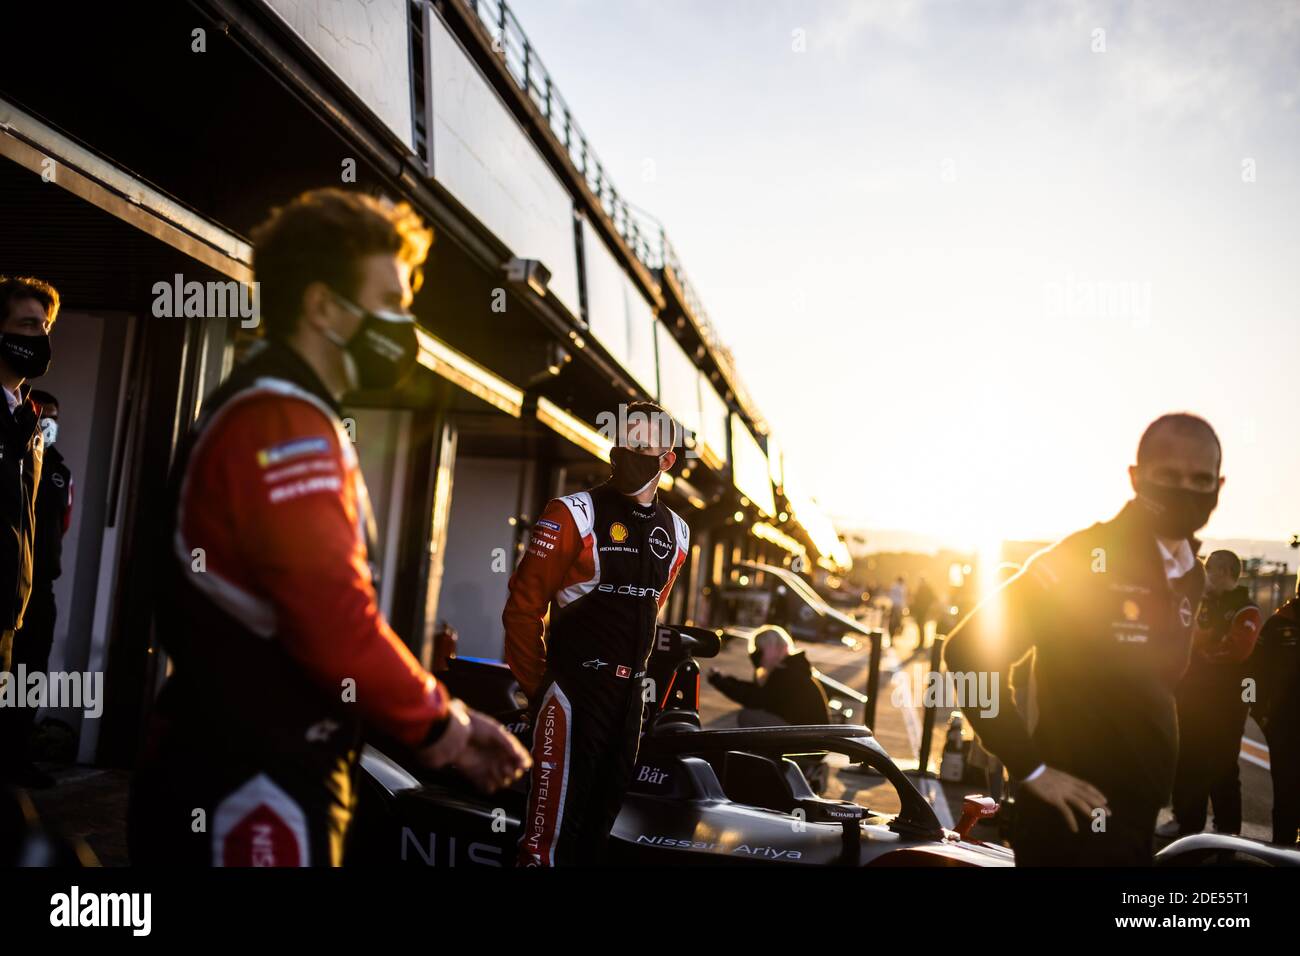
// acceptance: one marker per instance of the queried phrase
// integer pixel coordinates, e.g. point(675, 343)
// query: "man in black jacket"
point(783, 687)
point(1275, 666)
point(32, 644)
point(1108, 613)
point(28, 308)
point(1212, 703)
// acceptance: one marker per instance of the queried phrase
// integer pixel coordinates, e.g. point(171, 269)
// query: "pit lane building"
point(545, 303)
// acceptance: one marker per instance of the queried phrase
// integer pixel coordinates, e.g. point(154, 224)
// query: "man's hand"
point(480, 748)
point(1068, 794)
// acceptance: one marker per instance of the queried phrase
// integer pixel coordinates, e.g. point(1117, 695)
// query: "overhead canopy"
point(439, 357)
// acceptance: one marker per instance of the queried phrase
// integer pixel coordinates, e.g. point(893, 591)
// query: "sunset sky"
point(962, 257)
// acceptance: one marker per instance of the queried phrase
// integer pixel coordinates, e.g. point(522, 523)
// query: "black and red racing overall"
point(281, 655)
point(603, 563)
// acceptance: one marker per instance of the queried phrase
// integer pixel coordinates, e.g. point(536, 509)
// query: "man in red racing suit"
point(267, 605)
point(603, 561)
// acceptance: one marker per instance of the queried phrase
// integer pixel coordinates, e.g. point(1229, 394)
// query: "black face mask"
point(632, 471)
point(1176, 512)
point(384, 349)
point(27, 355)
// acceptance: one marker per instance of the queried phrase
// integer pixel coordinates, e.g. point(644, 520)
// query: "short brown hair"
point(322, 236)
point(28, 287)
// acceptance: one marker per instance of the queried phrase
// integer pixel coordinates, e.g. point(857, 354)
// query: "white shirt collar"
point(1179, 561)
point(11, 398)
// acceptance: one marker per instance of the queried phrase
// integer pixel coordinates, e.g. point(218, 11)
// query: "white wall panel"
point(713, 418)
point(679, 381)
point(749, 468)
point(484, 158)
point(620, 317)
point(367, 45)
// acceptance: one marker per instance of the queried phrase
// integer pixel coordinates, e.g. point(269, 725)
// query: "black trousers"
point(1283, 738)
point(1210, 726)
point(1042, 838)
point(193, 808)
point(30, 648)
point(585, 738)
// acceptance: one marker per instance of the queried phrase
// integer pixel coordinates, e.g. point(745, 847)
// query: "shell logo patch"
point(1131, 611)
point(618, 532)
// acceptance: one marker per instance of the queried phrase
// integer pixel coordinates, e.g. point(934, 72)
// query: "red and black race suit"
point(603, 565)
point(281, 655)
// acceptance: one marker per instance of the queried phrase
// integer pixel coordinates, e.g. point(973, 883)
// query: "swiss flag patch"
point(621, 671)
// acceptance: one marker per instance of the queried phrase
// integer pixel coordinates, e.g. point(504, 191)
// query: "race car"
point(766, 594)
point(697, 796)
point(733, 796)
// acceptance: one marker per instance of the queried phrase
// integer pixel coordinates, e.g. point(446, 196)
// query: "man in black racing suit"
point(603, 562)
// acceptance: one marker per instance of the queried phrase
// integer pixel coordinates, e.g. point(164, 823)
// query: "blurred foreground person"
point(1275, 666)
point(1212, 703)
point(33, 642)
point(28, 309)
point(783, 690)
point(268, 608)
point(1108, 613)
point(599, 565)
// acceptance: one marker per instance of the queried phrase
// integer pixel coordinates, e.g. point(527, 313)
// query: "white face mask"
point(49, 430)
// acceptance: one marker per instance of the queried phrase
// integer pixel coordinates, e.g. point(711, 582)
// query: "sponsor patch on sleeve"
point(294, 448)
point(548, 524)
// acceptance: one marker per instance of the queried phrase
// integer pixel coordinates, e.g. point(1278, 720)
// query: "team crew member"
point(268, 610)
point(1275, 666)
point(1212, 702)
point(603, 562)
point(33, 642)
point(783, 690)
point(28, 308)
point(1109, 614)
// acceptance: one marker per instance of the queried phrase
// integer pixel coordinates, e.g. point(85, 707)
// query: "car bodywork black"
point(698, 796)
